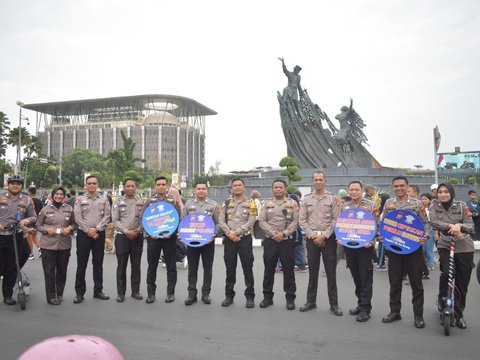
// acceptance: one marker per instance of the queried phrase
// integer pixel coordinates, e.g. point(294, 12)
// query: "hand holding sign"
point(160, 219)
point(355, 228)
point(197, 229)
point(402, 231)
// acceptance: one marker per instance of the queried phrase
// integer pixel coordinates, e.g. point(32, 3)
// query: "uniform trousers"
point(154, 248)
point(285, 251)
point(245, 251)
point(412, 265)
point(463, 266)
point(7, 262)
point(127, 248)
point(359, 261)
point(329, 254)
point(207, 252)
point(55, 263)
point(85, 245)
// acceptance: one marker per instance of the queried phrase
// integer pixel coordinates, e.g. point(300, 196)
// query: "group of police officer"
point(279, 217)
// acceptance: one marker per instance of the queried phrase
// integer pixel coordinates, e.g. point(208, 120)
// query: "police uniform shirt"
point(208, 207)
point(59, 218)
point(238, 216)
point(319, 213)
point(411, 204)
point(92, 212)
point(279, 216)
point(11, 205)
point(458, 213)
point(127, 213)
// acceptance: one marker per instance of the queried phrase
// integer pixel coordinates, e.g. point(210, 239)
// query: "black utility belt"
point(8, 232)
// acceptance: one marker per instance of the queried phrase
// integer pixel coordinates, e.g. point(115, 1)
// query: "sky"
point(408, 66)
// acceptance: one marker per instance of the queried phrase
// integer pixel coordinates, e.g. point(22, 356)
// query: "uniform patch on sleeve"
point(468, 213)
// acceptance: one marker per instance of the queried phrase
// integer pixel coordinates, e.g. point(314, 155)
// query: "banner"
point(160, 219)
point(355, 228)
point(197, 229)
point(401, 231)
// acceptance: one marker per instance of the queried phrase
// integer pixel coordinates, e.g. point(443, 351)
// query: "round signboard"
point(160, 219)
point(355, 228)
point(196, 229)
point(401, 231)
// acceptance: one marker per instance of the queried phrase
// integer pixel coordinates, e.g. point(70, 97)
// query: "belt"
point(6, 232)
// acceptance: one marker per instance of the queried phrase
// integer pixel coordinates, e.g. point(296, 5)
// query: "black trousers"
point(410, 264)
point(126, 248)
point(8, 264)
point(154, 248)
point(207, 252)
point(463, 266)
point(55, 263)
point(244, 250)
point(359, 261)
point(285, 251)
point(329, 255)
point(85, 245)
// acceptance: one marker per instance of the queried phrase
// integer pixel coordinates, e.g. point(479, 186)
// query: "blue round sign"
point(401, 231)
point(160, 219)
point(197, 229)
point(355, 228)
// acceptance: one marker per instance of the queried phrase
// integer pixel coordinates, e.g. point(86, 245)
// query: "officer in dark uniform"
point(155, 246)
point(279, 219)
point(127, 219)
point(399, 264)
point(236, 219)
point(201, 204)
point(360, 261)
point(15, 208)
point(92, 214)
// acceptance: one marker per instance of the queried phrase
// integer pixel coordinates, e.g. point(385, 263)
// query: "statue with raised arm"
point(351, 125)
point(293, 89)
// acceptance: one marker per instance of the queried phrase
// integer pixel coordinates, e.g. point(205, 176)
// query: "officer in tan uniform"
point(92, 214)
point(279, 219)
point(236, 218)
point(317, 219)
point(398, 264)
point(55, 224)
point(15, 208)
point(201, 204)
point(360, 261)
point(156, 244)
point(127, 219)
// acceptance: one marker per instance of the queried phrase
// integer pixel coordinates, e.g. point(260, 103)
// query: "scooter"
point(447, 316)
point(21, 295)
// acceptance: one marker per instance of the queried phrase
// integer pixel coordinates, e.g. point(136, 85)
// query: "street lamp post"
point(19, 145)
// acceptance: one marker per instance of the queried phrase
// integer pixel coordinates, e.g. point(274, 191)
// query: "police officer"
point(318, 214)
point(398, 264)
point(201, 204)
point(92, 214)
point(360, 261)
point(156, 244)
point(55, 223)
point(236, 218)
point(279, 219)
point(453, 218)
point(15, 208)
point(127, 219)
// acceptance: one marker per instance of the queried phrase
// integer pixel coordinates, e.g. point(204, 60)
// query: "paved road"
point(175, 331)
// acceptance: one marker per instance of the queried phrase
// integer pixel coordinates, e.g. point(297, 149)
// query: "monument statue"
point(312, 139)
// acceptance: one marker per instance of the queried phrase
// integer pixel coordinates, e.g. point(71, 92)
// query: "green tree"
point(33, 146)
point(4, 131)
point(121, 160)
point(291, 171)
point(133, 175)
point(78, 162)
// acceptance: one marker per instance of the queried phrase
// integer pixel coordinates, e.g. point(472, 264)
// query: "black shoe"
point(227, 302)
point(78, 299)
point(137, 296)
point(191, 300)
point(460, 323)
point(363, 316)
point(336, 310)
point(250, 303)
point(290, 305)
point(120, 298)
point(9, 301)
point(101, 296)
point(53, 301)
point(419, 322)
point(266, 303)
point(60, 298)
point(150, 299)
point(355, 311)
point(170, 298)
point(391, 318)
point(206, 299)
point(308, 306)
